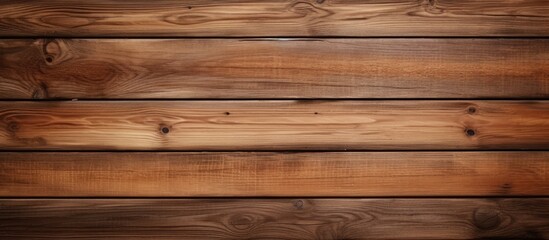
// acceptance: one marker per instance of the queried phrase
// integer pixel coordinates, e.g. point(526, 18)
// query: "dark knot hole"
point(470, 132)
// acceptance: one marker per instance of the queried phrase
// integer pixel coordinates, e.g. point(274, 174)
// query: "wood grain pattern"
point(273, 68)
point(70, 18)
point(253, 174)
point(275, 219)
point(274, 125)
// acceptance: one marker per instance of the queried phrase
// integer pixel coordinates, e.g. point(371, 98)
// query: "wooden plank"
point(252, 174)
point(274, 68)
point(275, 218)
point(75, 18)
point(274, 125)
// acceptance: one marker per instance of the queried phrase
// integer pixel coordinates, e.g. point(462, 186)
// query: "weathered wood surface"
point(273, 68)
point(75, 18)
point(252, 174)
point(275, 218)
point(274, 125)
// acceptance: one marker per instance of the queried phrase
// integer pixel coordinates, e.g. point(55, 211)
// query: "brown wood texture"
point(275, 218)
point(252, 174)
point(273, 68)
point(75, 18)
point(274, 125)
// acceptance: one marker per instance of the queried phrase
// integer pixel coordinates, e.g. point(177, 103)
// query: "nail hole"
point(49, 59)
point(227, 113)
point(189, 7)
point(471, 110)
point(316, 112)
point(470, 132)
point(165, 130)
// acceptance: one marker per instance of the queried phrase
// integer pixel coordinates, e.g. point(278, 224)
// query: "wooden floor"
point(275, 119)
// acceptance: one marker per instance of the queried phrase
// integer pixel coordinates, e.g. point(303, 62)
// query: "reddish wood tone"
point(274, 125)
point(248, 174)
point(273, 68)
point(367, 18)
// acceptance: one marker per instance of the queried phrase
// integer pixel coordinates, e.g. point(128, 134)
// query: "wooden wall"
point(275, 119)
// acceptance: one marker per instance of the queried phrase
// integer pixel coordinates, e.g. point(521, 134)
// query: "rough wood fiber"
point(76, 18)
point(275, 219)
point(245, 174)
point(274, 68)
point(274, 125)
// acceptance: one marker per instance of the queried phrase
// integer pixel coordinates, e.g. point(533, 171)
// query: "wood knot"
point(306, 8)
point(41, 91)
point(164, 129)
point(299, 204)
point(432, 7)
point(49, 58)
point(320, 1)
point(13, 127)
point(471, 110)
point(470, 132)
point(50, 48)
point(55, 51)
point(487, 218)
point(242, 222)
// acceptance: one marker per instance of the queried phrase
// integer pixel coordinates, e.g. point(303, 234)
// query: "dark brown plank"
point(275, 219)
point(252, 174)
point(271, 68)
point(274, 125)
point(70, 18)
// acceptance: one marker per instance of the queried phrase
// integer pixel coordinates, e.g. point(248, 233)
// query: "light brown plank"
point(69, 18)
point(274, 125)
point(275, 219)
point(274, 68)
point(252, 174)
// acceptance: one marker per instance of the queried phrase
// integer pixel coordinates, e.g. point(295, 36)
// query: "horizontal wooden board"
point(274, 125)
point(273, 68)
point(275, 218)
point(75, 18)
point(253, 174)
